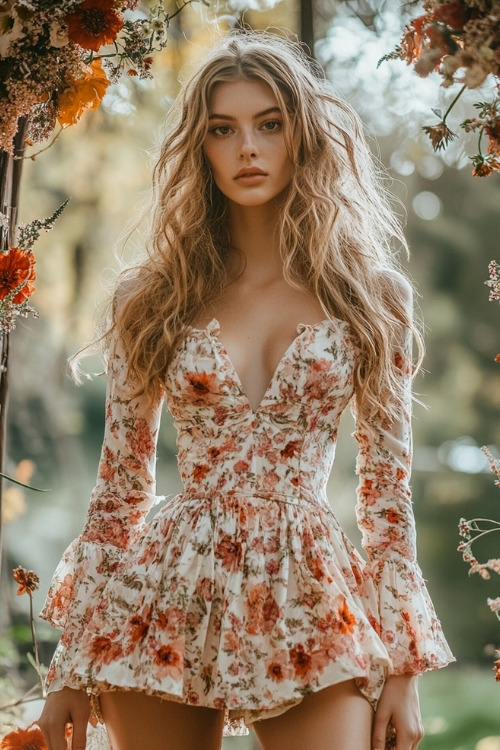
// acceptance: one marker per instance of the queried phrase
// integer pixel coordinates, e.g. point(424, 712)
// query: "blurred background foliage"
point(452, 222)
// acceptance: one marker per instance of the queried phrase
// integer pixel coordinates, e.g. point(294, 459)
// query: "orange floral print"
point(243, 590)
point(346, 618)
point(229, 552)
point(301, 661)
point(169, 661)
point(393, 516)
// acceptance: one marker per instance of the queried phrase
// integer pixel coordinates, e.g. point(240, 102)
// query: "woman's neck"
point(253, 231)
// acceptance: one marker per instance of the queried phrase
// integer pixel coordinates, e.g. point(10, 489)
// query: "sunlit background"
point(452, 223)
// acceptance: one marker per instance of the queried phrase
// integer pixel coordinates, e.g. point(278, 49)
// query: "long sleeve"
point(123, 495)
point(406, 620)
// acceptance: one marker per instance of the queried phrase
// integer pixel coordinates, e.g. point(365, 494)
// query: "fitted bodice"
point(287, 444)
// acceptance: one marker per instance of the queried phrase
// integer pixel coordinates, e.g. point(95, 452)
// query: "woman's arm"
point(123, 495)
point(403, 613)
point(404, 616)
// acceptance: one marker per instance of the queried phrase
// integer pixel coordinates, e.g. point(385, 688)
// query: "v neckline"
point(212, 329)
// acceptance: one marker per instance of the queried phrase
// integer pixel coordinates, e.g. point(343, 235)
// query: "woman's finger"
point(380, 729)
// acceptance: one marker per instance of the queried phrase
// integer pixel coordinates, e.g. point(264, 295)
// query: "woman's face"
point(245, 144)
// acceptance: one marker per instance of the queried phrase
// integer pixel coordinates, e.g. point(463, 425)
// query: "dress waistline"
point(298, 497)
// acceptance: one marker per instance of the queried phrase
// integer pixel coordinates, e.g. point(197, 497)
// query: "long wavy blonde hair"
point(336, 229)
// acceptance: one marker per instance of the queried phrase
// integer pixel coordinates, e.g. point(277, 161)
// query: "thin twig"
point(35, 642)
point(455, 100)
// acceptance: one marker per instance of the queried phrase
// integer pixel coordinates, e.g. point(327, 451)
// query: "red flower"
point(104, 650)
point(291, 448)
point(301, 661)
point(24, 739)
point(93, 24)
point(17, 268)
point(229, 551)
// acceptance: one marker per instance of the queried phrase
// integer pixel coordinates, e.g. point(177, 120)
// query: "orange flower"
point(278, 668)
point(170, 662)
point(28, 580)
point(24, 739)
point(17, 268)
point(82, 94)
point(412, 41)
point(347, 619)
point(203, 386)
point(93, 24)
point(199, 472)
point(301, 661)
point(393, 516)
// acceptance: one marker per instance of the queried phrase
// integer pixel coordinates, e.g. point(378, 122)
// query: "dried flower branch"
point(28, 582)
point(57, 59)
point(460, 40)
point(478, 528)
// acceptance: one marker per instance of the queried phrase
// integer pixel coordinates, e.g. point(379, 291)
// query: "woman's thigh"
point(335, 718)
point(135, 720)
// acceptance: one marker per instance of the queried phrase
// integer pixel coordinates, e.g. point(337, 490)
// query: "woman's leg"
point(335, 718)
point(135, 720)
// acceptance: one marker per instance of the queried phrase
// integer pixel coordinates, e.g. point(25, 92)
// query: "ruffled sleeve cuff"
point(91, 559)
point(79, 579)
point(406, 623)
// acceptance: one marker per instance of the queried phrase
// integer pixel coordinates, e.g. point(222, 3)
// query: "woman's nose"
point(247, 145)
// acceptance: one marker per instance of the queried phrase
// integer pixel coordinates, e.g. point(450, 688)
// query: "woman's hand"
point(399, 708)
point(66, 706)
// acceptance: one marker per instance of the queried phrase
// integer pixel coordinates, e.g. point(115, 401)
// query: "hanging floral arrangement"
point(460, 40)
point(57, 59)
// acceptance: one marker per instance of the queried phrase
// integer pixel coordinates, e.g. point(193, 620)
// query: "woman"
point(268, 301)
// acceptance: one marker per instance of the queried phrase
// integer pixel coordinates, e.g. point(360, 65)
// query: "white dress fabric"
point(243, 593)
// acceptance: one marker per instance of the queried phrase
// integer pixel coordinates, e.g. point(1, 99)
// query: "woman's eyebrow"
point(230, 118)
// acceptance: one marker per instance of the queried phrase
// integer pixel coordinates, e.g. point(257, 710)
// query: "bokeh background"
point(452, 223)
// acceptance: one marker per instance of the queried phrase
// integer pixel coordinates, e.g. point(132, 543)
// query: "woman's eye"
point(272, 125)
point(221, 130)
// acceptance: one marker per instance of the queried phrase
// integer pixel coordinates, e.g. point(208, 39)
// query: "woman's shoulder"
point(395, 287)
point(126, 287)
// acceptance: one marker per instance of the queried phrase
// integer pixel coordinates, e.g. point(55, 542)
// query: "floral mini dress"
point(243, 593)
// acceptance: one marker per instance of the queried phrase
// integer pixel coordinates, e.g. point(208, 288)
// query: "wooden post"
point(10, 183)
point(307, 24)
